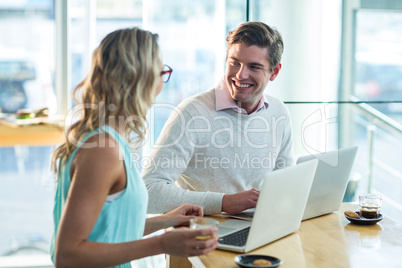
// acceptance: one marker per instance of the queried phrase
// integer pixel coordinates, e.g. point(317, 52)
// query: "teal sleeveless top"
point(120, 220)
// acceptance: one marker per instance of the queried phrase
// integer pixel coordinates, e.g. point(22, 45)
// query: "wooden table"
point(31, 135)
point(326, 241)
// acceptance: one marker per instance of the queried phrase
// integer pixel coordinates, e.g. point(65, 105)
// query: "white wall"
point(310, 67)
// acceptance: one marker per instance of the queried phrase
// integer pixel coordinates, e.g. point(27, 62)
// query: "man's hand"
point(235, 203)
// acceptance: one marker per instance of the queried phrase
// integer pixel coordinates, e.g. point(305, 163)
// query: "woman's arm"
point(178, 217)
point(97, 172)
point(94, 173)
point(177, 242)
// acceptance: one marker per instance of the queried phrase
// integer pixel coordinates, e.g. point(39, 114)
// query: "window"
point(195, 52)
point(192, 37)
point(26, 56)
point(371, 74)
point(26, 82)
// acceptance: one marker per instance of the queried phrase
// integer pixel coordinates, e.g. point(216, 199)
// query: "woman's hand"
point(183, 243)
point(177, 217)
point(181, 216)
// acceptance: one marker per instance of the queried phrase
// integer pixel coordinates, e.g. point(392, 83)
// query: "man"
point(217, 146)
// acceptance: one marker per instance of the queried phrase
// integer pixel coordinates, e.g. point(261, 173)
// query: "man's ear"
point(275, 72)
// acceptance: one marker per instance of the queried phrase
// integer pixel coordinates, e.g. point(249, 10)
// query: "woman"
point(101, 201)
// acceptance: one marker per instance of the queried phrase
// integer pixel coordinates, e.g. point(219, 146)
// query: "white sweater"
point(202, 154)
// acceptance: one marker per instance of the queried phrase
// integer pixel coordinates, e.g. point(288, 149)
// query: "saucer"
point(247, 260)
point(364, 221)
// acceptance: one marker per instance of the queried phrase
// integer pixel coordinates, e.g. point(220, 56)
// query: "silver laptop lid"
point(280, 206)
point(330, 181)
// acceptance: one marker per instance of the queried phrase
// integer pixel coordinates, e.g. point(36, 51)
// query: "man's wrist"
point(224, 203)
point(213, 203)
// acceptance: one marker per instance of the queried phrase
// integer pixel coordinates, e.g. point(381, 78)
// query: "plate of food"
point(257, 261)
point(354, 217)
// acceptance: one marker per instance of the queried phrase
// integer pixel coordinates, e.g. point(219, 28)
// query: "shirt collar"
point(224, 101)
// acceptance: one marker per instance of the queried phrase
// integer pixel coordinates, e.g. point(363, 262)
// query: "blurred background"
point(341, 79)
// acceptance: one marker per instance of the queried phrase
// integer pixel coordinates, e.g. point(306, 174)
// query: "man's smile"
point(241, 85)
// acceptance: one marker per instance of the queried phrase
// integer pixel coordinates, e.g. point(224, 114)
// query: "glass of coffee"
point(370, 205)
point(203, 223)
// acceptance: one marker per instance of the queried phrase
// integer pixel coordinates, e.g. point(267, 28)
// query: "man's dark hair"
point(261, 35)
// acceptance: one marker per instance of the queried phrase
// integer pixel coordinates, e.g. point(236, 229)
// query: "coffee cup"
point(370, 205)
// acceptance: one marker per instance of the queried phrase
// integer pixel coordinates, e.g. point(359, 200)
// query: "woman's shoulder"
point(100, 151)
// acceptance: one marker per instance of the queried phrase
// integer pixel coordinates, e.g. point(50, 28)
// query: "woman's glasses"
point(167, 71)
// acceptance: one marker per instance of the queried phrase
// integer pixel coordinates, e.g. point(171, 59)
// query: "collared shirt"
point(200, 142)
point(223, 100)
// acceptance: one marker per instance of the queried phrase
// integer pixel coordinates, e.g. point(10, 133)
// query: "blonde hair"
point(124, 74)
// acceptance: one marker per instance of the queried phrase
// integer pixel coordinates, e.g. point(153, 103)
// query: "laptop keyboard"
point(238, 238)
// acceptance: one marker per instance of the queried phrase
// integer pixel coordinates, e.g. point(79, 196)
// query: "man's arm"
point(168, 160)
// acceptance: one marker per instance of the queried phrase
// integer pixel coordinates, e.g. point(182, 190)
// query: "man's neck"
point(249, 108)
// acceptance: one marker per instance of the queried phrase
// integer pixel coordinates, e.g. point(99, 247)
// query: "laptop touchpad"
point(231, 226)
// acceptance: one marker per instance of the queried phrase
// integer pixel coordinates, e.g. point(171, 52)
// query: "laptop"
point(278, 213)
point(330, 181)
